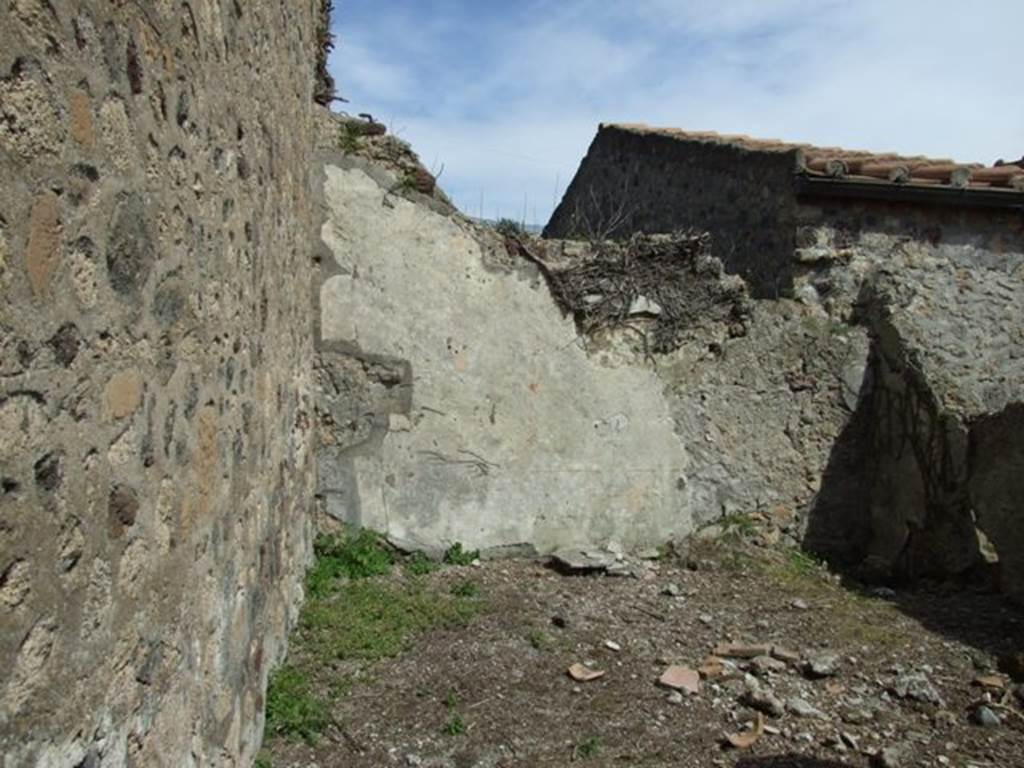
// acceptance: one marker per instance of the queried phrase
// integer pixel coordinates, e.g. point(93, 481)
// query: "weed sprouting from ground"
point(739, 523)
point(354, 614)
point(456, 555)
point(370, 620)
point(538, 639)
point(293, 709)
point(350, 138)
point(468, 589)
point(455, 725)
point(586, 749)
point(354, 556)
point(510, 228)
point(419, 564)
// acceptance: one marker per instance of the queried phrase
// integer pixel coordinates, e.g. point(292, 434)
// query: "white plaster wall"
point(578, 449)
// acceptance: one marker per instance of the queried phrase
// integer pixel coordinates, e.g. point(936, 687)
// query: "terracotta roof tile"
point(839, 163)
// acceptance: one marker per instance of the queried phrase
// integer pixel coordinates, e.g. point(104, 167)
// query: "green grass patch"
point(418, 564)
point(351, 616)
point(587, 749)
point(455, 725)
point(370, 620)
point(293, 709)
point(539, 639)
point(350, 139)
point(262, 761)
point(456, 555)
point(468, 589)
point(352, 555)
point(739, 523)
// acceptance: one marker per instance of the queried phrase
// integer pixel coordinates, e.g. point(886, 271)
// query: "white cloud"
point(509, 107)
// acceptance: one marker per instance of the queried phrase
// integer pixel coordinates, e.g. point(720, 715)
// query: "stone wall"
point(937, 428)
point(838, 241)
point(154, 380)
point(458, 403)
point(645, 182)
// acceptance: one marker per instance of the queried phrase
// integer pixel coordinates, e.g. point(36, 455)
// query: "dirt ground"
point(897, 679)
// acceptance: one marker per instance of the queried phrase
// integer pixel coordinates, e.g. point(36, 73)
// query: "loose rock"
point(916, 687)
point(890, 757)
point(766, 665)
point(986, 718)
point(822, 665)
point(803, 708)
point(742, 650)
point(764, 701)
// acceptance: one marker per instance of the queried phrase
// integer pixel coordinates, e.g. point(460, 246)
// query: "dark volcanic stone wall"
point(155, 378)
point(646, 182)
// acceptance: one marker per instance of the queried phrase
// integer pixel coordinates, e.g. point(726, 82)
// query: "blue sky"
point(507, 96)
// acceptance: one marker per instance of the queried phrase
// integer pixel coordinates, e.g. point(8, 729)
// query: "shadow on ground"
point(968, 608)
point(788, 761)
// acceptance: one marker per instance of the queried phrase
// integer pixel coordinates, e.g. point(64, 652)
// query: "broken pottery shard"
point(584, 674)
point(747, 739)
point(681, 679)
point(581, 561)
point(742, 650)
point(995, 682)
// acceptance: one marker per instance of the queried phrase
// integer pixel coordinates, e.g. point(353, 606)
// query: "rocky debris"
point(821, 665)
point(610, 561)
point(985, 717)
point(785, 654)
point(762, 666)
point(582, 560)
point(890, 757)
point(742, 650)
point(611, 645)
point(803, 708)
point(856, 715)
point(916, 687)
point(764, 701)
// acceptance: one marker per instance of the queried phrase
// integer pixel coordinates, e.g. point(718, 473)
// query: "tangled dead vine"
point(671, 282)
point(324, 89)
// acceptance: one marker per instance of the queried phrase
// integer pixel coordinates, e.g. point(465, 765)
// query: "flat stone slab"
point(582, 560)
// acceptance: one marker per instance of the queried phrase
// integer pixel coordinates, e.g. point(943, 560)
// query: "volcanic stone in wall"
point(155, 376)
point(943, 435)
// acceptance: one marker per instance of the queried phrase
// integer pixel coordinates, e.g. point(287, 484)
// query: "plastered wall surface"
point(508, 432)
